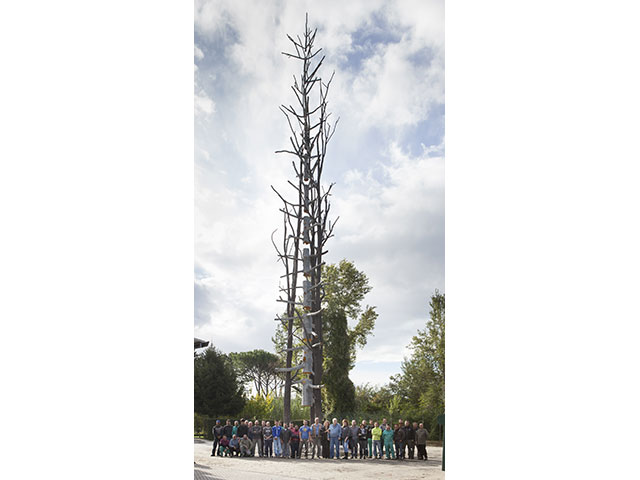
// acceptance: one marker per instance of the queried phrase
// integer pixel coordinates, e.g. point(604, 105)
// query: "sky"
point(386, 160)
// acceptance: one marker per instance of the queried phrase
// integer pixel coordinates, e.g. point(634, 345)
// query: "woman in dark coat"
point(399, 437)
point(362, 440)
point(324, 432)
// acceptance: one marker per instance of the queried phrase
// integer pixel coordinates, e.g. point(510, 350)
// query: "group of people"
point(322, 440)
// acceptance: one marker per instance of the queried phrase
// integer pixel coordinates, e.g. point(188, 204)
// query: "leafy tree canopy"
point(258, 367)
point(340, 391)
point(217, 390)
point(345, 288)
point(421, 382)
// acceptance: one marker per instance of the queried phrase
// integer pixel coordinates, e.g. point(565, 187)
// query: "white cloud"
point(203, 104)
point(393, 91)
point(198, 53)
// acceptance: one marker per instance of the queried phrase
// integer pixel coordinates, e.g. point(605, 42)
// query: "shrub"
point(259, 407)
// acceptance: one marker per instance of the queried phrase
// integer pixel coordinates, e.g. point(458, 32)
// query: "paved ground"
point(207, 467)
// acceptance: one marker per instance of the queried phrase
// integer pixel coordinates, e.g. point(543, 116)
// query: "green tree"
point(345, 288)
point(258, 368)
point(259, 407)
point(340, 391)
point(420, 386)
point(217, 390)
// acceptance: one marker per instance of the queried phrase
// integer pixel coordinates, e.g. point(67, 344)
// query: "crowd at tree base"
point(322, 440)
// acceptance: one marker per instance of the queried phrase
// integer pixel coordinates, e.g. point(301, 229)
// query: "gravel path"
point(207, 467)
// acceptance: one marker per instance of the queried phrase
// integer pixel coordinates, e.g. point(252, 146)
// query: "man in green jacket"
point(376, 434)
point(387, 440)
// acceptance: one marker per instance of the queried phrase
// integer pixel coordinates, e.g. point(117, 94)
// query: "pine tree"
point(217, 390)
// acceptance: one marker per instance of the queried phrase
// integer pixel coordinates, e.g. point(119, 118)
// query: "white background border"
point(96, 256)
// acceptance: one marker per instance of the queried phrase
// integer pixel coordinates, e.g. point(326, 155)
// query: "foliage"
point(298, 411)
point(372, 401)
point(258, 368)
point(345, 288)
point(198, 423)
point(340, 392)
point(394, 406)
point(259, 407)
point(364, 397)
point(420, 386)
point(217, 390)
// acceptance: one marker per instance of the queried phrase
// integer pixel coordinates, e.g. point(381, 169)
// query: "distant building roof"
point(197, 343)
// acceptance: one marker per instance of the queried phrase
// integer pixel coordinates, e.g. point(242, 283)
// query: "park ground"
point(207, 467)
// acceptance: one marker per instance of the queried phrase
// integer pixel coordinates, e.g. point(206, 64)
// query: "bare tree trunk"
point(309, 214)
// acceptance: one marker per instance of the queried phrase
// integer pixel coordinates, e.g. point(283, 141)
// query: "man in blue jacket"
point(277, 445)
point(335, 431)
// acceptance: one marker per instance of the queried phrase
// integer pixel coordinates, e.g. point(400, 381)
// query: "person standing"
point(421, 442)
point(316, 438)
point(383, 426)
point(294, 441)
point(249, 435)
point(399, 437)
point(243, 429)
point(345, 437)
point(411, 438)
point(256, 438)
point(376, 435)
point(285, 436)
point(353, 441)
point(277, 441)
point(228, 430)
point(234, 430)
point(370, 439)
point(267, 438)
point(362, 440)
point(387, 440)
point(335, 432)
point(217, 435)
point(305, 431)
point(325, 439)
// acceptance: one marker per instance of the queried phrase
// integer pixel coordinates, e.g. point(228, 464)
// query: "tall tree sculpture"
point(305, 220)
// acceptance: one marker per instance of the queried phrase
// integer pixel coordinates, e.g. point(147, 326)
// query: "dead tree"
point(306, 225)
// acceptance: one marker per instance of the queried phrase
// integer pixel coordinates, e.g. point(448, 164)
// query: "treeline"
point(417, 392)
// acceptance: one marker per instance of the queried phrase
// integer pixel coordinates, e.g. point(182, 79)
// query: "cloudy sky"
point(386, 159)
